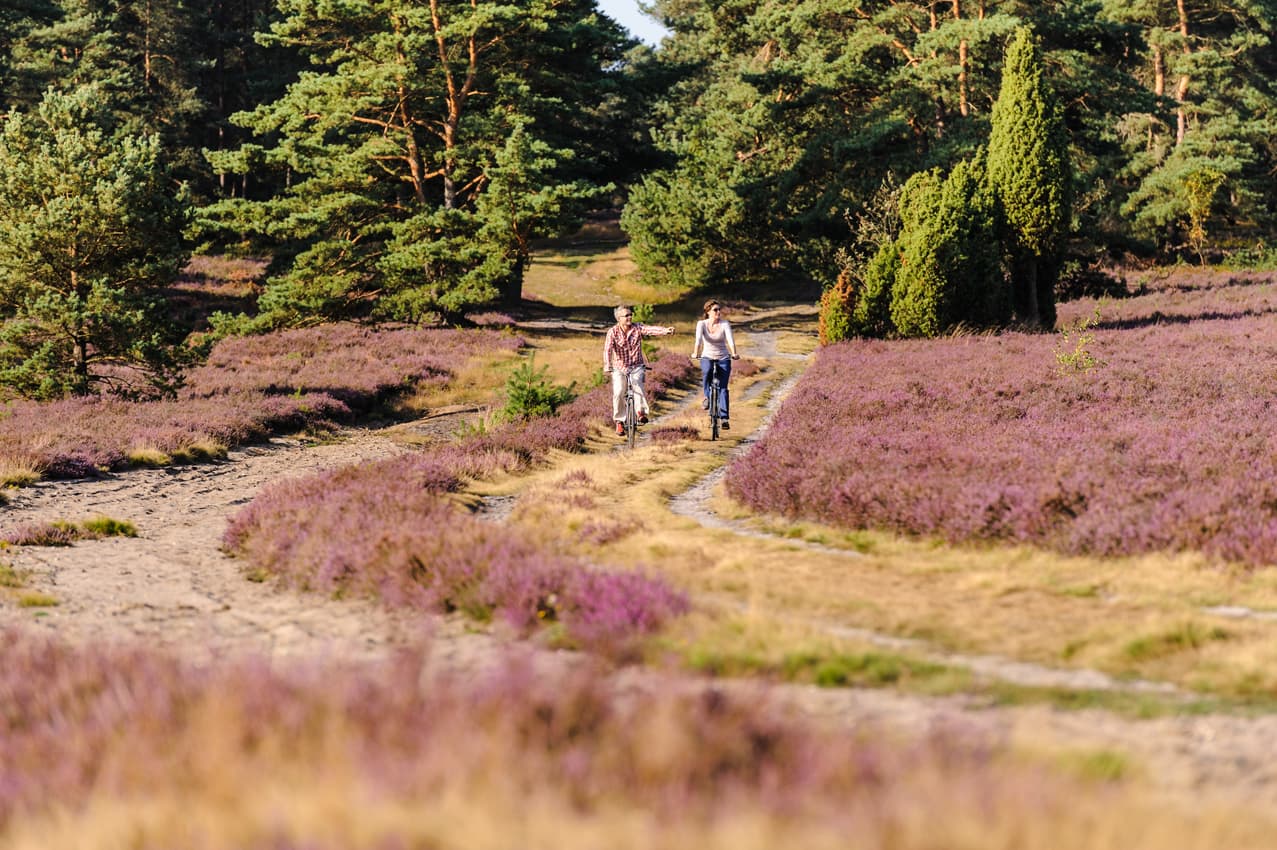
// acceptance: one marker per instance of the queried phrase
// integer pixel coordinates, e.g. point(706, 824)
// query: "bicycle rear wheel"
point(713, 411)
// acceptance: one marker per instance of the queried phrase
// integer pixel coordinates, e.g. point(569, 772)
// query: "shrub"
point(57, 533)
point(872, 316)
point(837, 305)
point(64, 533)
point(949, 271)
point(247, 390)
point(529, 393)
point(124, 746)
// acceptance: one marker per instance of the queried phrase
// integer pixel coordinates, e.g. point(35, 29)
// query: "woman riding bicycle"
point(716, 350)
point(623, 358)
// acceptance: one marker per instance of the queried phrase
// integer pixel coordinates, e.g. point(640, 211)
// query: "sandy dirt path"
point(172, 586)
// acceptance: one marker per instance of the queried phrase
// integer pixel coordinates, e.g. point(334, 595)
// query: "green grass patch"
point(835, 669)
point(1097, 765)
point(1189, 636)
point(1139, 705)
point(11, 577)
point(105, 526)
point(912, 675)
point(36, 599)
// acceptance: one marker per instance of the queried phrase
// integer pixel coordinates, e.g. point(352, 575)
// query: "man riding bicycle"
point(623, 358)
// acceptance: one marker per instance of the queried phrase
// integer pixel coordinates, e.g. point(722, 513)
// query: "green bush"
point(920, 290)
point(972, 256)
point(836, 306)
point(949, 271)
point(859, 301)
point(529, 393)
point(872, 316)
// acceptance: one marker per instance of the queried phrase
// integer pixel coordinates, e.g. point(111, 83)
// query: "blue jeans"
point(723, 368)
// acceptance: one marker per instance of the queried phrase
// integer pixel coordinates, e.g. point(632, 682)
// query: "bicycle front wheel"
point(713, 411)
point(631, 421)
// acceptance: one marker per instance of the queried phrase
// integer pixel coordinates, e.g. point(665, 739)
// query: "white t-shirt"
point(715, 344)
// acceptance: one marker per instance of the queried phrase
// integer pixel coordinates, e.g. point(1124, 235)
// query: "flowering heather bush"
point(213, 283)
point(674, 434)
point(1181, 296)
point(606, 610)
point(63, 533)
point(107, 747)
point(1170, 444)
point(249, 389)
point(356, 364)
point(492, 319)
point(383, 529)
point(43, 534)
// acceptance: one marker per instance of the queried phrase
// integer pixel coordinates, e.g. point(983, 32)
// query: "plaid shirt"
point(623, 349)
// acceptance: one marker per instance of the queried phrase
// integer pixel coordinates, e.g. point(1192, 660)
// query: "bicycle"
point(714, 389)
point(632, 418)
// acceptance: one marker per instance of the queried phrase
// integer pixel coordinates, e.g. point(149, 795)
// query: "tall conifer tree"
point(1029, 173)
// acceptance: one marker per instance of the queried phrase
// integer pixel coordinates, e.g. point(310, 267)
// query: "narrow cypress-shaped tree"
point(1029, 172)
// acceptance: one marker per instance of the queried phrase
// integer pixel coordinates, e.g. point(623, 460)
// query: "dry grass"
point(310, 775)
point(293, 806)
point(148, 456)
point(1129, 617)
point(13, 578)
point(36, 599)
point(585, 277)
point(475, 383)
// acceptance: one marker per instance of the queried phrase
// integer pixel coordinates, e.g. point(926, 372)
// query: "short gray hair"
point(622, 309)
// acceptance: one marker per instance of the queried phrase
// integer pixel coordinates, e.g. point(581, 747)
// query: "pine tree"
point(1029, 173)
point(390, 142)
point(90, 233)
point(1210, 71)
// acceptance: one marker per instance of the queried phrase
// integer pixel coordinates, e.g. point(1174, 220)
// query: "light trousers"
point(634, 375)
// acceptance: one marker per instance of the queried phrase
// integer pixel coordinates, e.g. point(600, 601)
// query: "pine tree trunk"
point(1181, 88)
point(511, 287)
point(1024, 289)
point(1048, 273)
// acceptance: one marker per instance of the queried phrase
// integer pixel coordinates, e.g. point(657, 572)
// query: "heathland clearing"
point(954, 659)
